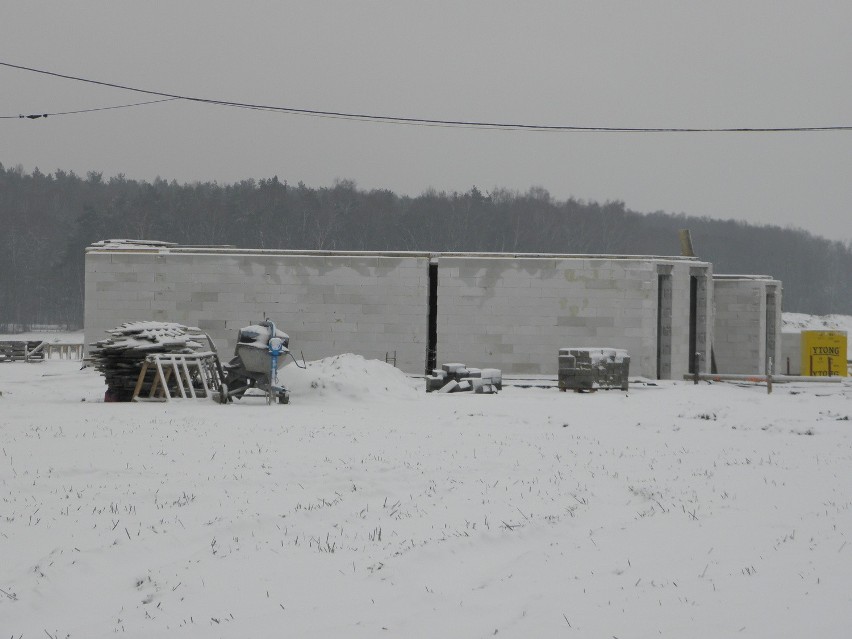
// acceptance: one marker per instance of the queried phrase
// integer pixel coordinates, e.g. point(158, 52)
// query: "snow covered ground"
point(367, 508)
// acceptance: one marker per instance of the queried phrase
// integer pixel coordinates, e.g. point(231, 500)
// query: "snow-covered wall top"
point(725, 276)
point(145, 246)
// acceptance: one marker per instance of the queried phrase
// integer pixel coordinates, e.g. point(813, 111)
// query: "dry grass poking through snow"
point(366, 509)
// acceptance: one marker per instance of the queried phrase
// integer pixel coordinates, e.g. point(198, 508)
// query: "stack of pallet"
point(21, 351)
point(590, 369)
point(120, 357)
point(458, 378)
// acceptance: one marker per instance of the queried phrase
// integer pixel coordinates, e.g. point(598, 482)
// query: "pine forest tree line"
point(47, 220)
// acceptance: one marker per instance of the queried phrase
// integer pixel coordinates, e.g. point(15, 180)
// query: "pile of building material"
point(21, 351)
point(588, 369)
point(458, 378)
point(120, 357)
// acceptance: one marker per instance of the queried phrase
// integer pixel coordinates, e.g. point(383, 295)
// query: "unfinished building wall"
point(772, 337)
point(665, 300)
point(514, 313)
point(328, 304)
point(747, 323)
point(692, 325)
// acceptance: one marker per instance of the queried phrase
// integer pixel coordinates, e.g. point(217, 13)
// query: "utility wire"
point(36, 116)
point(390, 119)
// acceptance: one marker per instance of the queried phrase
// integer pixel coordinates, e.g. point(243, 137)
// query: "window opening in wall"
point(432, 340)
point(693, 324)
point(664, 326)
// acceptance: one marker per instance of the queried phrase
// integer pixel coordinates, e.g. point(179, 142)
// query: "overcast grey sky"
point(655, 63)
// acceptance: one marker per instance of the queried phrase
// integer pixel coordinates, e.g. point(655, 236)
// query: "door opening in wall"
point(664, 325)
point(693, 324)
point(432, 339)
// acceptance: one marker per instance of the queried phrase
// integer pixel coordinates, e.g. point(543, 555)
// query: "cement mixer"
point(261, 350)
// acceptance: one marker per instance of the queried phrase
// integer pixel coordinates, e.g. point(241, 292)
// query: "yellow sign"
point(824, 353)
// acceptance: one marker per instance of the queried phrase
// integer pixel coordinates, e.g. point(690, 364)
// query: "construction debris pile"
point(458, 378)
point(590, 369)
point(120, 357)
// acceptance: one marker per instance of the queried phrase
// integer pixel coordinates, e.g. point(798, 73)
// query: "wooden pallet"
point(22, 351)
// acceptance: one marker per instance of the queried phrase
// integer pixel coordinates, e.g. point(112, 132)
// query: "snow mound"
point(805, 322)
point(795, 322)
point(350, 376)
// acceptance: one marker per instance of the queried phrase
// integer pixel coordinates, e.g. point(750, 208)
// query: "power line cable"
point(36, 116)
point(411, 121)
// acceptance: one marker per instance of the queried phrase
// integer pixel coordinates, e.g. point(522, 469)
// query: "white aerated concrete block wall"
point(502, 311)
point(328, 304)
point(516, 313)
point(681, 354)
point(747, 324)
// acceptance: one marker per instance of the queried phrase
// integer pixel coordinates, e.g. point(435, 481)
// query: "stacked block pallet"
point(458, 378)
point(590, 369)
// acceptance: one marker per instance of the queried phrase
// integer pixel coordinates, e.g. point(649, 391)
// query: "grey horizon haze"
point(680, 64)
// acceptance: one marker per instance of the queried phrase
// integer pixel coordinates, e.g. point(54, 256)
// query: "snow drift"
point(349, 377)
